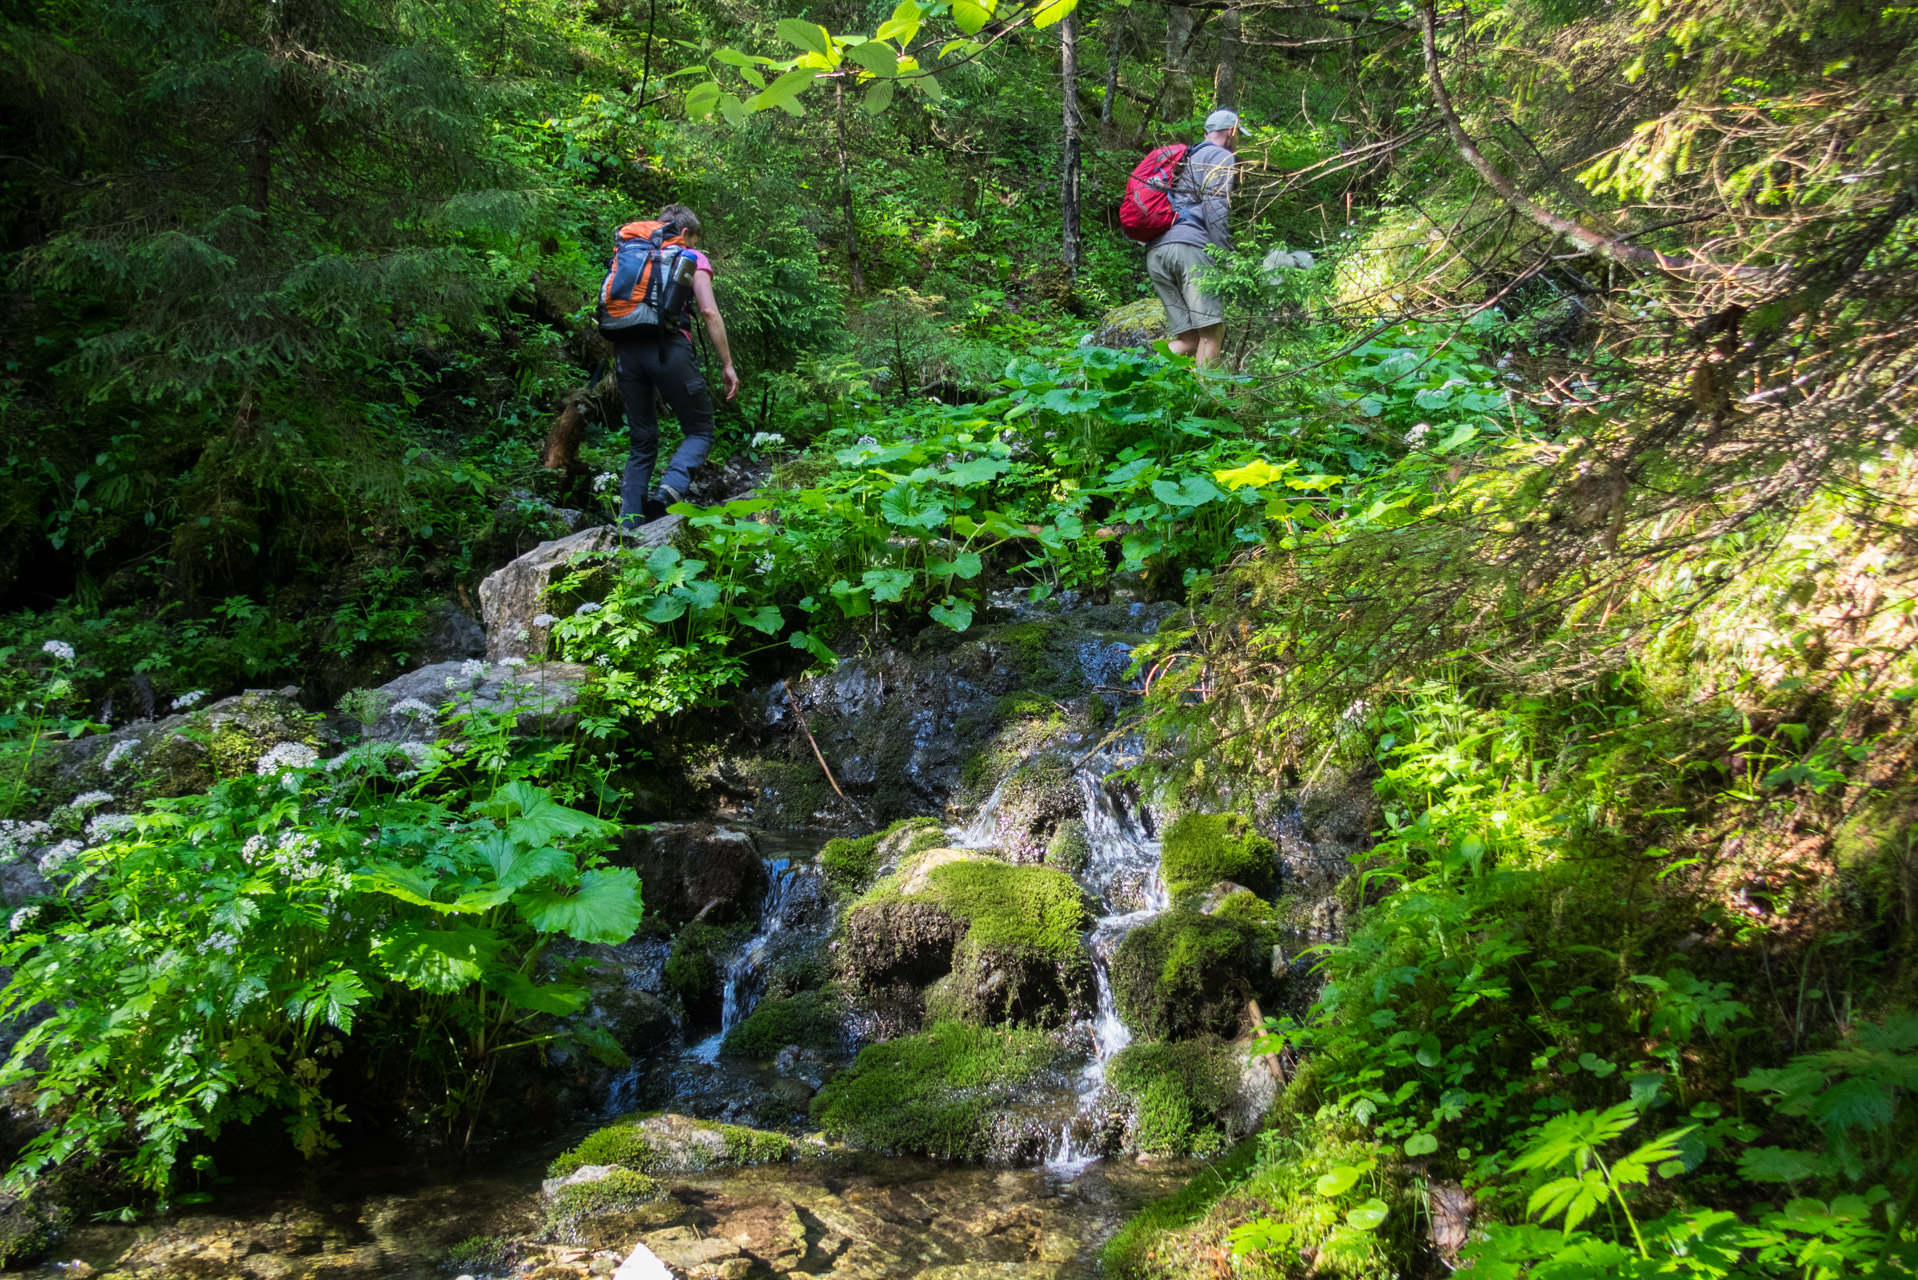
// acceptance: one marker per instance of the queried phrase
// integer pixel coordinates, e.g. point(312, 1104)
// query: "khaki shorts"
point(1174, 270)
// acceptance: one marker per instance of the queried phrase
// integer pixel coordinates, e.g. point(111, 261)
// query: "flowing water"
point(786, 887)
point(1121, 872)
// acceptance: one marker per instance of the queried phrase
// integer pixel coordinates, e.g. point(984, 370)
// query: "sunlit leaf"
point(604, 907)
point(952, 612)
point(809, 36)
point(1052, 11)
point(875, 57)
point(701, 99)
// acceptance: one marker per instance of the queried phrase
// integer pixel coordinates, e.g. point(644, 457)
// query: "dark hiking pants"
point(668, 368)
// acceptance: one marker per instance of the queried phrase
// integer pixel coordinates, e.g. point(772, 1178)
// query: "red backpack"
point(1146, 212)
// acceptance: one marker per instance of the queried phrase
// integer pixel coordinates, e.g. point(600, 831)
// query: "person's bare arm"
point(715, 329)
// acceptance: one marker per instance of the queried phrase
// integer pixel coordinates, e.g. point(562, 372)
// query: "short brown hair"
point(680, 216)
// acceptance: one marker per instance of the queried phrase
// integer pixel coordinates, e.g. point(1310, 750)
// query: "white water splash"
point(746, 971)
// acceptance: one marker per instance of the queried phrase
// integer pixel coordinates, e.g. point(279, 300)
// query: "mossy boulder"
point(1187, 974)
point(811, 1020)
point(983, 941)
point(693, 971)
point(1201, 849)
point(580, 1208)
point(1032, 803)
point(1184, 1096)
point(849, 863)
point(661, 1143)
point(952, 1091)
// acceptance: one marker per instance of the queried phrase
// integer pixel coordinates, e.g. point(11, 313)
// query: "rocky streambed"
point(967, 1042)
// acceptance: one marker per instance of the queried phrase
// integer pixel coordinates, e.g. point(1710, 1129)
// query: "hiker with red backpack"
point(1176, 204)
point(657, 273)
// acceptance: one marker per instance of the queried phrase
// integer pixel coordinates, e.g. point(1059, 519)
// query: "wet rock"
point(685, 1249)
point(451, 636)
point(670, 1143)
point(543, 695)
point(179, 755)
point(797, 1062)
point(551, 1187)
point(1137, 324)
point(1185, 974)
point(512, 598)
point(695, 869)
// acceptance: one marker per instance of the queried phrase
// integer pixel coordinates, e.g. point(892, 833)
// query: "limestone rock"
point(545, 695)
point(514, 596)
point(1137, 324)
point(451, 636)
point(551, 1187)
point(688, 867)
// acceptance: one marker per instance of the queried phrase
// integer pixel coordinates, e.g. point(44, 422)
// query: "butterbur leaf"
point(395, 881)
point(666, 608)
point(809, 36)
point(766, 618)
point(604, 907)
point(1369, 1216)
point(887, 585)
point(437, 961)
point(662, 562)
point(952, 612)
point(975, 471)
point(912, 507)
point(1421, 1144)
point(556, 998)
point(534, 817)
point(966, 565)
point(1255, 474)
point(1193, 492)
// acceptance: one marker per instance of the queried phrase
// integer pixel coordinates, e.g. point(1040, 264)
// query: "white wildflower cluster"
point(764, 564)
point(606, 482)
point(16, 835)
point(222, 941)
point(109, 825)
point(88, 799)
point(473, 669)
point(868, 440)
point(21, 919)
point(414, 709)
point(250, 851)
point(285, 756)
point(512, 662)
point(603, 660)
point(53, 859)
point(1418, 433)
point(418, 754)
point(589, 608)
point(297, 855)
point(545, 620)
point(188, 699)
point(121, 750)
point(767, 439)
point(59, 649)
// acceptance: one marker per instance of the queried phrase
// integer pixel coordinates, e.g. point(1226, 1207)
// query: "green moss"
point(651, 1143)
point(1033, 911)
point(934, 1093)
point(1202, 849)
point(475, 1254)
point(1181, 1093)
point(849, 862)
point(1069, 850)
point(1247, 909)
point(810, 1019)
point(620, 1191)
point(692, 970)
point(1184, 974)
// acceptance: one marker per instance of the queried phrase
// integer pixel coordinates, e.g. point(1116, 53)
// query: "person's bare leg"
point(1209, 341)
point(1184, 344)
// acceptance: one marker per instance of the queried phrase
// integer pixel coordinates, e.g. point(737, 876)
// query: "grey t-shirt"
point(1200, 197)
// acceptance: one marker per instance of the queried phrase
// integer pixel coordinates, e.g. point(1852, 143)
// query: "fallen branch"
point(820, 756)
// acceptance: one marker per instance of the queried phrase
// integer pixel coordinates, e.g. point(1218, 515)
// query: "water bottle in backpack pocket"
point(648, 284)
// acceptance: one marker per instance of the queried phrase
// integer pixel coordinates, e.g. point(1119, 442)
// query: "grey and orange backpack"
point(648, 282)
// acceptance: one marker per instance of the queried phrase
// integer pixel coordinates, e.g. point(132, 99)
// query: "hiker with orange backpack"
point(1176, 204)
point(656, 272)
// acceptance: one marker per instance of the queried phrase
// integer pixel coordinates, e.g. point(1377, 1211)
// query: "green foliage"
point(935, 1093)
point(654, 1144)
point(1201, 849)
point(1182, 1093)
point(620, 1191)
point(850, 862)
point(692, 970)
point(219, 950)
point(810, 1019)
point(475, 1254)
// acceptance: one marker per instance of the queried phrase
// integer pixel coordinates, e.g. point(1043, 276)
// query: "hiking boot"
point(659, 499)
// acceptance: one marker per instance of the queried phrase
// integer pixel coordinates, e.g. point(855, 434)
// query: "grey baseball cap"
point(1220, 120)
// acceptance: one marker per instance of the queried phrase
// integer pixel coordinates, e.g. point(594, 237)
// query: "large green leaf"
point(603, 907)
point(1195, 491)
point(903, 25)
point(533, 817)
point(437, 961)
point(1051, 11)
point(878, 98)
point(876, 57)
point(514, 865)
point(781, 92)
point(911, 506)
point(557, 998)
point(405, 883)
point(975, 471)
point(952, 612)
point(887, 585)
point(809, 36)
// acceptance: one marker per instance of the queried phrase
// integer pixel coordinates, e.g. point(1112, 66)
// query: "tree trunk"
point(1069, 180)
point(845, 192)
point(1225, 77)
point(1113, 42)
point(1181, 25)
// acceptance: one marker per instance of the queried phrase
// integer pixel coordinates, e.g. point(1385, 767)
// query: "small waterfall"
point(746, 971)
